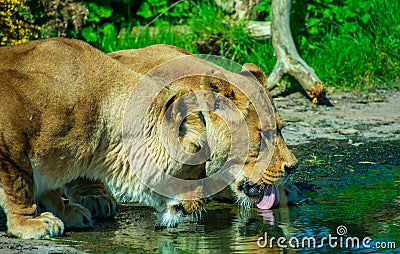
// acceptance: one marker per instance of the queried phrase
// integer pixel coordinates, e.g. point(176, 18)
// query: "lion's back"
point(54, 92)
point(145, 59)
point(52, 63)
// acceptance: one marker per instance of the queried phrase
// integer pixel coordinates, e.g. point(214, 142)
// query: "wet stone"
point(348, 131)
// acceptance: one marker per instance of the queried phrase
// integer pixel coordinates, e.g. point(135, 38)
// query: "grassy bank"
point(345, 59)
point(368, 57)
point(351, 44)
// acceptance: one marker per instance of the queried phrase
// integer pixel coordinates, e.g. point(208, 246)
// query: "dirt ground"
point(355, 117)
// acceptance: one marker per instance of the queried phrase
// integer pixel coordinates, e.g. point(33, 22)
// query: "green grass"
point(369, 57)
point(132, 38)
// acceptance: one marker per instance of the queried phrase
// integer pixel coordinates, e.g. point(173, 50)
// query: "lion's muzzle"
point(265, 196)
point(251, 189)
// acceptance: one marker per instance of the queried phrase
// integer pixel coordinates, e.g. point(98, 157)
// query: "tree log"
point(260, 30)
point(288, 59)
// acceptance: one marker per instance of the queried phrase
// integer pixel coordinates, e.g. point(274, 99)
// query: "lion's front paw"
point(176, 210)
point(77, 216)
point(100, 206)
point(44, 226)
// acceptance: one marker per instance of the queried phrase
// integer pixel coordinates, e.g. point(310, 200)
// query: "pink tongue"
point(269, 200)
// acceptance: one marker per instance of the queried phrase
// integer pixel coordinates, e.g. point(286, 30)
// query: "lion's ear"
point(253, 71)
point(215, 80)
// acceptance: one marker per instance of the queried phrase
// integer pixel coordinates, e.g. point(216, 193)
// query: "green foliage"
point(171, 11)
point(16, 23)
point(139, 37)
point(349, 14)
point(368, 55)
point(95, 31)
point(108, 18)
point(222, 37)
point(351, 44)
point(99, 10)
point(264, 9)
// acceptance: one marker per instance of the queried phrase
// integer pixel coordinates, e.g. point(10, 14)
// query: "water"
point(352, 194)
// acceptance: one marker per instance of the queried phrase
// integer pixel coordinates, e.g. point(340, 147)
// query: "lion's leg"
point(20, 208)
point(73, 215)
point(93, 196)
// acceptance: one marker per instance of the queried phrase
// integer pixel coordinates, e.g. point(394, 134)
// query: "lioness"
point(71, 116)
point(282, 157)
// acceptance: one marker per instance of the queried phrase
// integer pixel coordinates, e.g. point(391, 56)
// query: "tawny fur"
point(62, 113)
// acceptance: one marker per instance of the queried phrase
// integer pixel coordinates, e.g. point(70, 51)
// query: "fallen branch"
point(288, 59)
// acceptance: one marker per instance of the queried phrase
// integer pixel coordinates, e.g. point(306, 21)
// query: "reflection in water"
point(366, 208)
point(224, 229)
point(362, 197)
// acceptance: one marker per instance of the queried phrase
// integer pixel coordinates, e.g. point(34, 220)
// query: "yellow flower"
point(14, 28)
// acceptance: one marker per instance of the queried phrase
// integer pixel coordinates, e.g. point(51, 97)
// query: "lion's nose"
point(251, 189)
point(290, 167)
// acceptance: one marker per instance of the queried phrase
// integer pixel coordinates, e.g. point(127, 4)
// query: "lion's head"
point(268, 161)
point(222, 127)
point(264, 191)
